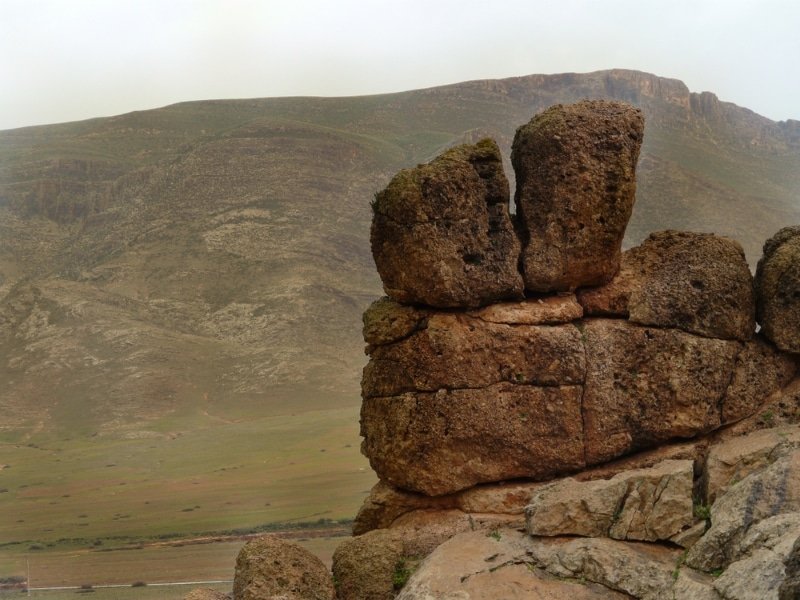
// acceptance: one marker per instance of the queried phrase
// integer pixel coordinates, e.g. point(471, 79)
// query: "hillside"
point(205, 265)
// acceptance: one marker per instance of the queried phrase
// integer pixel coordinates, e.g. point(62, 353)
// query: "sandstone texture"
point(646, 504)
point(442, 235)
point(697, 282)
point(778, 289)
point(575, 168)
point(441, 442)
point(269, 568)
point(646, 386)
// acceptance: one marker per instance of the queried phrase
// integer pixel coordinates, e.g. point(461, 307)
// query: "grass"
point(83, 496)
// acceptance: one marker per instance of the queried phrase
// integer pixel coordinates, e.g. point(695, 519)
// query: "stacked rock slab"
point(477, 402)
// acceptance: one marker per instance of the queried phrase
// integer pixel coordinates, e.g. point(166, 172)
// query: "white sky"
point(63, 60)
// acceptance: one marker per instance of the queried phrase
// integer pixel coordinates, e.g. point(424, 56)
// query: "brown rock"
point(441, 232)
point(696, 282)
point(576, 186)
point(387, 321)
point(455, 351)
point(548, 310)
point(645, 386)
point(386, 503)
point(442, 442)
point(645, 504)
point(778, 289)
point(363, 566)
point(760, 370)
point(269, 568)
point(494, 566)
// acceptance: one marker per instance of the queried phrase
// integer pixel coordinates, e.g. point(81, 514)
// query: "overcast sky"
point(63, 60)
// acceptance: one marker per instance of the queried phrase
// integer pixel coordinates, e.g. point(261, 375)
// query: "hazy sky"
point(63, 60)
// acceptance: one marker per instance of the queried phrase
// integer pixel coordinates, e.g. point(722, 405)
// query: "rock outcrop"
point(576, 186)
point(621, 432)
point(442, 235)
point(778, 289)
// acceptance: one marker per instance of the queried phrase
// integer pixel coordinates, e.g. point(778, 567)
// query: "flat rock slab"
point(778, 289)
point(697, 282)
point(492, 566)
point(456, 351)
point(575, 166)
point(645, 386)
point(440, 442)
point(441, 232)
point(643, 504)
point(548, 310)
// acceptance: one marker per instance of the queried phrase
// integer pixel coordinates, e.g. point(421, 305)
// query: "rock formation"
point(620, 432)
point(626, 399)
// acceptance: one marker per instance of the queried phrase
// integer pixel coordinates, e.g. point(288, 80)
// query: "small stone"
point(270, 567)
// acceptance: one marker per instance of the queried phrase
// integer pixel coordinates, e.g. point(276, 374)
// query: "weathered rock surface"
point(778, 289)
point(489, 567)
point(697, 282)
point(548, 310)
point(790, 588)
point(441, 232)
point(759, 566)
point(454, 351)
point(760, 370)
point(441, 442)
point(645, 571)
point(575, 168)
point(386, 321)
point(774, 490)
point(269, 568)
point(645, 504)
point(731, 461)
point(646, 386)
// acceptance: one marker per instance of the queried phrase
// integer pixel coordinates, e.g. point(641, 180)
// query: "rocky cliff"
point(574, 420)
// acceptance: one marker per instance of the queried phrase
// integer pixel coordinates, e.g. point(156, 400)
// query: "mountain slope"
point(181, 289)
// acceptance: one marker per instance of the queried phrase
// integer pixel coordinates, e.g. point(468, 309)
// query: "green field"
point(103, 502)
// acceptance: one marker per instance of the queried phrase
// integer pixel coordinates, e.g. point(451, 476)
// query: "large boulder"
point(270, 568)
point(440, 442)
point(575, 168)
point(778, 289)
point(697, 282)
point(441, 232)
point(645, 386)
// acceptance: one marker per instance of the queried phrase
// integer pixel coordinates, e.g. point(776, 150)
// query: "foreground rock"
point(206, 594)
point(492, 566)
point(269, 568)
point(697, 282)
point(645, 504)
point(441, 232)
point(575, 168)
point(441, 442)
point(778, 289)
